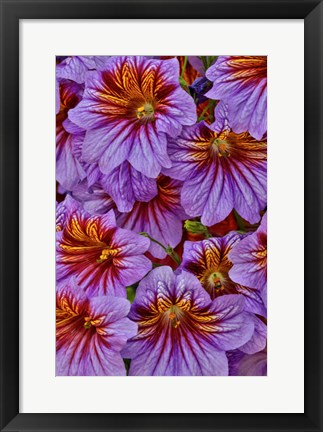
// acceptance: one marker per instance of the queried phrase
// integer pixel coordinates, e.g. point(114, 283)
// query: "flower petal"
point(181, 331)
point(126, 185)
point(90, 332)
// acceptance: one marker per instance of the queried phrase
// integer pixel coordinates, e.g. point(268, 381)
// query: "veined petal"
point(133, 103)
point(241, 82)
point(75, 68)
point(234, 327)
point(180, 330)
point(221, 122)
point(250, 259)
point(241, 364)
point(69, 171)
point(90, 332)
point(209, 260)
point(93, 198)
point(161, 217)
point(150, 153)
point(126, 185)
point(221, 172)
point(258, 341)
point(96, 252)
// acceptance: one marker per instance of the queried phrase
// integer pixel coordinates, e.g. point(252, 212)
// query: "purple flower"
point(126, 185)
point(128, 108)
point(75, 68)
point(221, 122)
point(180, 330)
point(241, 364)
point(103, 258)
point(197, 64)
point(209, 261)
point(258, 340)
point(221, 172)
point(201, 63)
point(241, 81)
point(60, 215)
point(161, 217)
point(57, 98)
point(93, 198)
point(122, 187)
point(90, 332)
point(249, 258)
point(69, 170)
point(199, 87)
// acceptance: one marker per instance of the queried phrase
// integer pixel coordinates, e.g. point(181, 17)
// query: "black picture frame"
point(11, 12)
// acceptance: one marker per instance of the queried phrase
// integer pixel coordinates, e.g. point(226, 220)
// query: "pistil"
point(174, 313)
point(145, 111)
point(222, 147)
point(107, 254)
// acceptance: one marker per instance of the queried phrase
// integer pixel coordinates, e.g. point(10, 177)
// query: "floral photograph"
point(161, 216)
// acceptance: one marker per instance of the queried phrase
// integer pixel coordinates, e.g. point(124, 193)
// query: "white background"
point(282, 390)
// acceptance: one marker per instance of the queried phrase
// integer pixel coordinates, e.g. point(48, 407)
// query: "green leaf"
point(131, 293)
point(196, 227)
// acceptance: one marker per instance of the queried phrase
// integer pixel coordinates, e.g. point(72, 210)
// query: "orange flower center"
point(174, 313)
point(145, 111)
point(216, 279)
point(94, 325)
point(261, 253)
point(222, 147)
point(107, 253)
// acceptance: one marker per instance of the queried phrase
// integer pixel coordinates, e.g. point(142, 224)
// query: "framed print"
point(164, 117)
point(120, 217)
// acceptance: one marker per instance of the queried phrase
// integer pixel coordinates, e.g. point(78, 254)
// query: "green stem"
point(184, 66)
point(174, 255)
point(169, 250)
point(203, 112)
point(209, 106)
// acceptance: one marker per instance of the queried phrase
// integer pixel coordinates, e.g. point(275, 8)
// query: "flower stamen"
point(174, 313)
point(88, 322)
point(216, 280)
point(222, 147)
point(145, 111)
point(107, 254)
point(260, 254)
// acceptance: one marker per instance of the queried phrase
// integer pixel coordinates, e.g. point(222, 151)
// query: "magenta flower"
point(209, 261)
point(221, 172)
point(103, 258)
point(128, 108)
point(75, 68)
point(249, 258)
point(90, 332)
point(241, 82)
point(161, 217)
point(69, 170)
point(180, 330)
